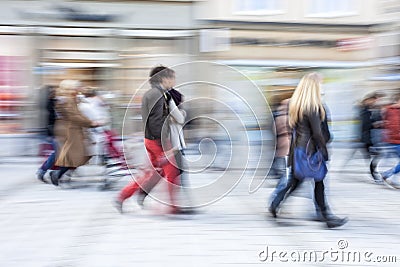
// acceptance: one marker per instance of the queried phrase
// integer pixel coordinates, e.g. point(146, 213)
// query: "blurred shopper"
point(176, 123)
point(392, 135)
point(155, 112)
point(308, 118)
point(95, 109)
point(282, 132)
point(370, 119)
point(283, 136)
point(51, 119)
point(69, 130)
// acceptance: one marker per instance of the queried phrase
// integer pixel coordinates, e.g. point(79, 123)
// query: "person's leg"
point(319, 195)
point(283, 179)
point(156, 154)
point(55, 176)
point(49, 163)
point(173, 178)
point(147, 186)
point(291, 186)
point(131, 188)
point(396, 169)
point(143, 192)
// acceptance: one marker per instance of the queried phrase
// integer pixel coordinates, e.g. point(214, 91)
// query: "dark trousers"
point(292, 184)
point(49, 163)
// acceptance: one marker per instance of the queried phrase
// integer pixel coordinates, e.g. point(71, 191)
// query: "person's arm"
point(73, 114)
point(317, 136)
point(177, 114)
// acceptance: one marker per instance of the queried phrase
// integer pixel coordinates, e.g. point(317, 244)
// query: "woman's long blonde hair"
point(306, 98)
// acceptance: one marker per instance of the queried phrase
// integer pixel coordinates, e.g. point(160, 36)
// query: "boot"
point(333, 221)
point(54, 177)
point(40, 175)
point(117, 203)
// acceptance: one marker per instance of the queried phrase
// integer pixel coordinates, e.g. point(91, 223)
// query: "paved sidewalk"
point(44, 226)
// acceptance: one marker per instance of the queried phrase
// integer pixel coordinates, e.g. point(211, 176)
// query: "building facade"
point(107, 44)
point(354, 44)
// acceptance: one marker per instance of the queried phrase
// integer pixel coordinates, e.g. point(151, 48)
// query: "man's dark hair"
point(160, 72)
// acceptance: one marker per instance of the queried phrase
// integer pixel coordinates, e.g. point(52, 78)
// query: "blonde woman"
point(69, 130)
point(307, 117)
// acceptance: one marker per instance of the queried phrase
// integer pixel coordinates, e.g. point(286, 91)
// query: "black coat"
point(311, 129)
point(366, 125)
point(51, 116)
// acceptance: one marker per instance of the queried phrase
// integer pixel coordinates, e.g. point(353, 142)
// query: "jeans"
point(395, 169)
point(49, 163)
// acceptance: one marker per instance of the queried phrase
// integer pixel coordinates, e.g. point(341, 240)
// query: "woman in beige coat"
point(69, 130)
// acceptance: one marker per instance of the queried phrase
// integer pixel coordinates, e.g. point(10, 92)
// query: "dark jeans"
point(49, 163)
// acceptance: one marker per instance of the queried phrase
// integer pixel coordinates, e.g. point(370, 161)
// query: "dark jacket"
point(311, 129)
point(51, 116)
point(392, 125)
point(366, 125)
point(154, 113)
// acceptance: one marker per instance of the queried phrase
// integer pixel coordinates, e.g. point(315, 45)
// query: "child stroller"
point(106, 166)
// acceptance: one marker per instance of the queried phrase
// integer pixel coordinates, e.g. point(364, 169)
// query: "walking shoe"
point(391, 183)
point(334, 222)
point(118, 205)
point(40, 175)
point(377, 177)
point(141, 195)
point(54, 177)
point(272, 211)
point(387, 174)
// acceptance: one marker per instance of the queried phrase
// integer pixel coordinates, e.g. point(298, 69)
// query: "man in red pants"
point(155, 112)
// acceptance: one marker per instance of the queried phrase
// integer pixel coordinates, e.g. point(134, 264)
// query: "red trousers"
point(157, 158)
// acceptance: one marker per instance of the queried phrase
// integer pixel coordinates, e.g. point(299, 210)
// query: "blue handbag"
point(309, 165)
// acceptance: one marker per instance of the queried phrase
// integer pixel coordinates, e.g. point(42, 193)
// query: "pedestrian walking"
point(392, 135)
point(283, 136)
point(69, 131)
point(308, 119)
point(176, 123)
point(51, 119)
point(155, 112)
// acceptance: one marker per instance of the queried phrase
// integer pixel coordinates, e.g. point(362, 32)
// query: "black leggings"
point(62, 170)
point(292, 184)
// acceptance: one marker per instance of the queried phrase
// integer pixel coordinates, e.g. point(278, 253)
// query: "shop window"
point(12, 93)
point(257, 7)
point(329, 8)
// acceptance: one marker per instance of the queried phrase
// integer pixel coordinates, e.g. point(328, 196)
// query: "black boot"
point(54, 177)
point(333, 221)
